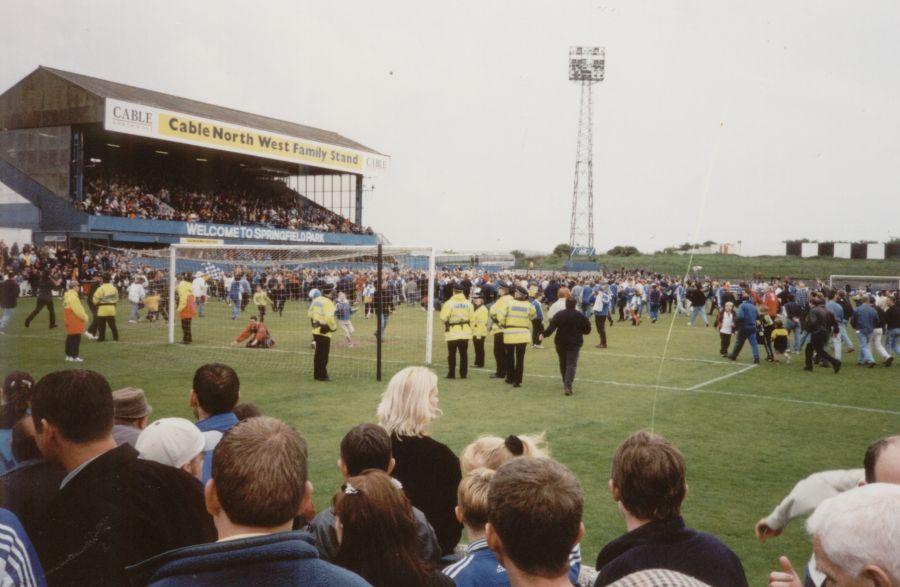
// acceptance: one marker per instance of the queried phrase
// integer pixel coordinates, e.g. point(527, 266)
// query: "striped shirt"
point(480, 567)
point(19, 564)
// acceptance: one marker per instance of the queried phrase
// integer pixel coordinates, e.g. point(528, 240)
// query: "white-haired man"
point(856, 536)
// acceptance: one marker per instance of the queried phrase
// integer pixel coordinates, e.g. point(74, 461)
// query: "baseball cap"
point(173, 441)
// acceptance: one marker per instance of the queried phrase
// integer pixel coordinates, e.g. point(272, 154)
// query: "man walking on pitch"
point(820, 323)
point(746, 317)
point(105, 298)
point(570, 326)
point(74, 318)
point(321, 316)
point(457, 315)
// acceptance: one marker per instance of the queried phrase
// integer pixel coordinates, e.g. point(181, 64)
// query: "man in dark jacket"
point(113, 509)
point(44, 286)
point(259, 483)
point(9, 297)
point(820, 324)
point(648, 482)
point(570, 326)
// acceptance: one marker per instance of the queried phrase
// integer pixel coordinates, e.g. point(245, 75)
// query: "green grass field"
point(748, 433)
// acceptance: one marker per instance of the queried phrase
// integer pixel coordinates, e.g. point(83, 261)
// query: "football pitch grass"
point(748, 432)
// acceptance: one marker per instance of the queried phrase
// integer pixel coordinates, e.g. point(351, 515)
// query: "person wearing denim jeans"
point(9, 297)
point(892, 328)
point(698, 304)
point(864, 319)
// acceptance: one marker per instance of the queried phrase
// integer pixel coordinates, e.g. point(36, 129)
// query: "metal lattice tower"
point(586, 67)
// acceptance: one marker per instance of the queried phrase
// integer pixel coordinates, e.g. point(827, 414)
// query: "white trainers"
point(68, 359)
point(132, 322)
point(89, 335)
point(77, 360)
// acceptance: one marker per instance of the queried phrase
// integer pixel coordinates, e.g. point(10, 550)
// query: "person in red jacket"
point(256, 334)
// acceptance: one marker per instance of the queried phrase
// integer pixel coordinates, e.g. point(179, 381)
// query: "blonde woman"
point(428, 470)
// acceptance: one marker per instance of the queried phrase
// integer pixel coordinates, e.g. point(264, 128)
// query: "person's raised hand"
point(786, 577)
point(764, 531)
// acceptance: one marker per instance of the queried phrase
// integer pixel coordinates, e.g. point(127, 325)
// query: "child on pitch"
point(342, 313)
point(262, 301)
point(152, 303)
point(780, 341)
point(764, 326)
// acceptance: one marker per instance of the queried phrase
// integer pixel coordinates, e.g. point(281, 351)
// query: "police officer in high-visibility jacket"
point(516, 319)
point(480, 319)
point(497, 329)
point(321, 317)
point(105, 298)
point(457, 315)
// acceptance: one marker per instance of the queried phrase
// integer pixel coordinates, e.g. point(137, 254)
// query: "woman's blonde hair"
point(492, 451)
point(405, 408)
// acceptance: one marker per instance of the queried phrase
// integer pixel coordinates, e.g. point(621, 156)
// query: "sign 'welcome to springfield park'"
point(165, 125)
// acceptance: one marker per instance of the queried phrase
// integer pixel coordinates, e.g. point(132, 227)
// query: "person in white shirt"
point(229, 279)
point(199, 288)
point(725, 324)
point(136, 294)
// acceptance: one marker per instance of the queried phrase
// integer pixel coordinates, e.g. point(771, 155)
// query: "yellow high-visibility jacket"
point(261, 298)
point(516, 320)
point(73, 312)
point(185, 291)
point(321, 311)
point(480, 322)
point(105, 298)
point(457, 315)
point(496, 310)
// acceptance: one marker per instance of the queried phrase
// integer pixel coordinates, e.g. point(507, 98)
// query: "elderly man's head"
point(856, 536)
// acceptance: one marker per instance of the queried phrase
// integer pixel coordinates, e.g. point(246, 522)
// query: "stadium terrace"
point(87, 161)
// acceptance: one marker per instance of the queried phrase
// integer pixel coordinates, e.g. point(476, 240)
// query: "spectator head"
point(534, 516)
point(856, 536)
point(648, 477)
point(107, 278)
point(778, 323)
point(366, 446)
point(216, 390)
point(376, 531)
point(882, 461)
point(131, 408)
point(17, 390)
point(245, 410)
point(472, 500)
point(570, 303)
point(259, 477)
point(410, 403)
point(71, 408)
point(175, 442)
point(24, 443)
point(492, 451)
point(564, 293)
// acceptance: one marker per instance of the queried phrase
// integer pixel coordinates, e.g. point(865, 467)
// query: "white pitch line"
point(726, 376)
point(804, 402)
point(632, 356)
point(579, 380)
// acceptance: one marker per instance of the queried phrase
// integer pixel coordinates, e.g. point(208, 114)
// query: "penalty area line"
point(721, 378)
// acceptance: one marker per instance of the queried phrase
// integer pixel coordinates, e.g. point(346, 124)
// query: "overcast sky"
point(784, 115)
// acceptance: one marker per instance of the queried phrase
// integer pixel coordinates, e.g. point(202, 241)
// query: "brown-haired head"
point(377, 531)
point(259, 472)
point(648, 477)
point(535, 507)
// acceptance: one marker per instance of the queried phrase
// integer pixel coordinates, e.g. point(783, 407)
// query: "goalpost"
point(288, 275)
point(856, 281)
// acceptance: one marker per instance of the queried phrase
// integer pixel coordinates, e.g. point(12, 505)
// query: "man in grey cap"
point(132, 413)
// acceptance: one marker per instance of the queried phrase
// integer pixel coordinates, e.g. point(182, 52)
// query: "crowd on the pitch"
point(93, 492)
point(261, 203)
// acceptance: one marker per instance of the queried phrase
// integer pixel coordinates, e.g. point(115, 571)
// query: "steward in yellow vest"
point(187, 306)
point(75, 318)
point(480, 321)
point(105, 298)
point(321, 317)
point(497, 329)
point(516, 319)
point(457, 314)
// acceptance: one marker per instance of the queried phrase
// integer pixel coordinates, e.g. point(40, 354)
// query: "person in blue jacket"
point(746, 317)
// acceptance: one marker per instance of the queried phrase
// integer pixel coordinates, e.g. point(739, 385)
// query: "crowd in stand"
point(261, 203)
point(93, 493)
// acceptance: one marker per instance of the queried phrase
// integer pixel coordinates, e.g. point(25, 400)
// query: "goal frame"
point(377, 250)
point(888, 278)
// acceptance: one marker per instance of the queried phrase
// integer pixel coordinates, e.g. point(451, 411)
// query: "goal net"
point(870, 283)
point(275, 285)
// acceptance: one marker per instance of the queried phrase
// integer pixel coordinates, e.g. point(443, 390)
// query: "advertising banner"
point(165, 125)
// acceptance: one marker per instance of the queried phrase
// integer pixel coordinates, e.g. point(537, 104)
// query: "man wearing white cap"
point(178, 443)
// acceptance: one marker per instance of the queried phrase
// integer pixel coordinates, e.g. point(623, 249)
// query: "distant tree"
point(685, 247)
point(708, 243)
point(517, 254)
point(623, 251)
point(562, 250)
